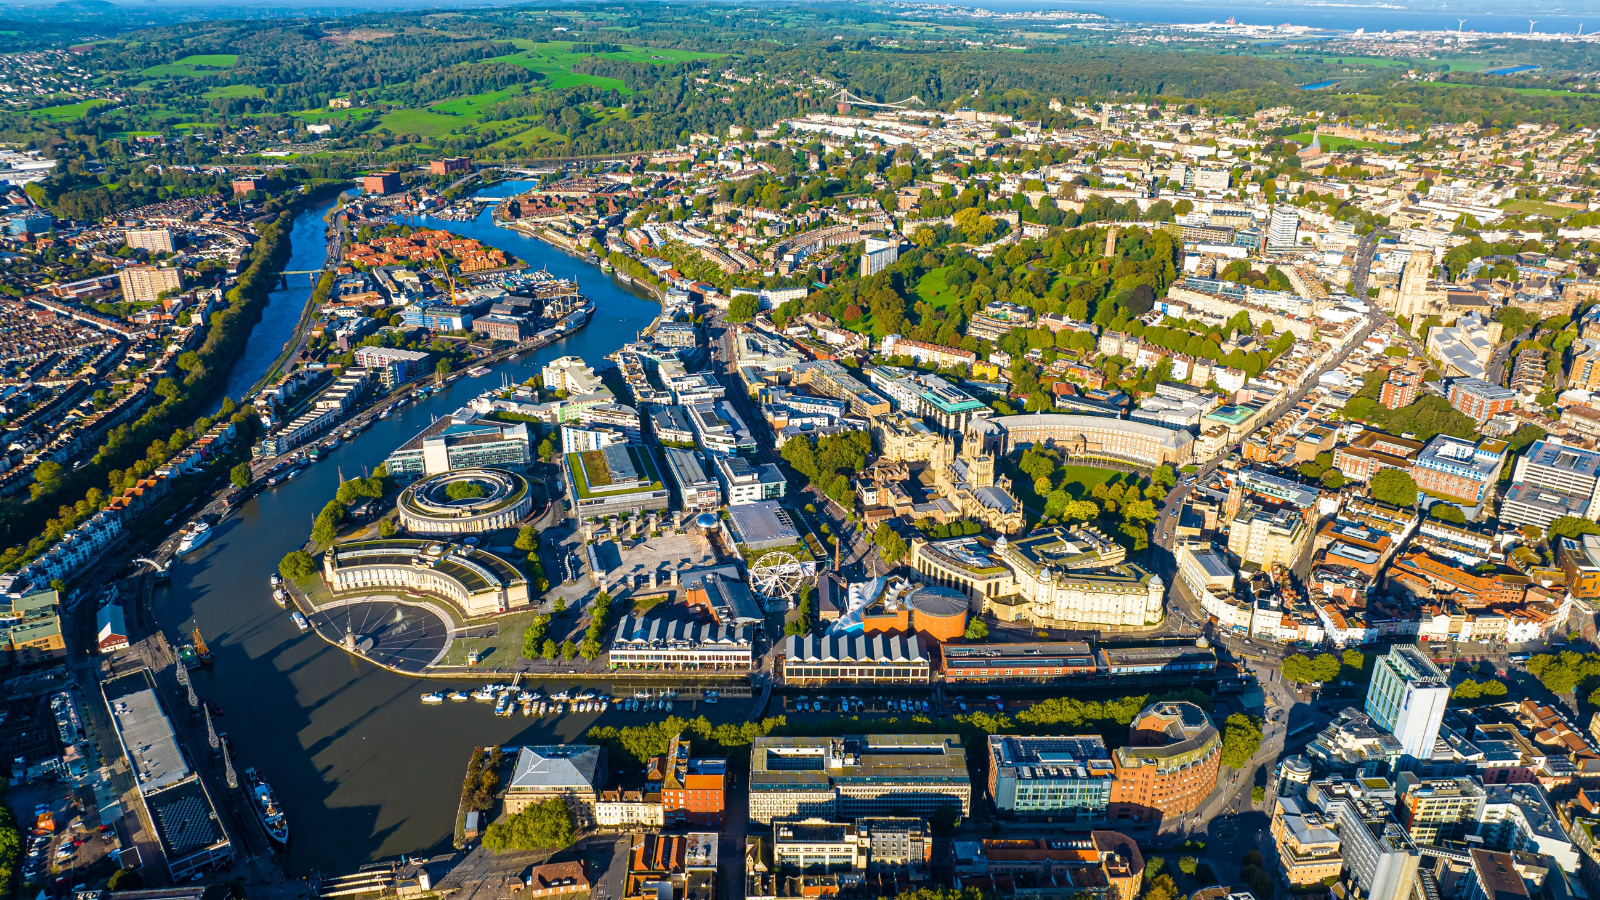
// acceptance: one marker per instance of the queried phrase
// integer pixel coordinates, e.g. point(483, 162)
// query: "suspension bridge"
point(845, 99)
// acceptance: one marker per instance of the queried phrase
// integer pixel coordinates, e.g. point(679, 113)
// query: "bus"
point(1518, 659)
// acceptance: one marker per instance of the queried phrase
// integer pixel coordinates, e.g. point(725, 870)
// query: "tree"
point(129, 879)
point(977, 630)
point(1303, 669)
point(1571, 527)
point(543, 826)
point(533, 637)
point(241, 475)
point(296, 565)
point(890, 544)
point(568, 650)
point(1333, 479)
point(1241, 738)
point(1445, 512)
point(442, 368)
point(945, 819)
point(1258, 794)
point(387, 528)
point(1188, 864)
point(743, 308)
point(527, 539)
point(464, 490)
point(550, 650)
point(1394, 486)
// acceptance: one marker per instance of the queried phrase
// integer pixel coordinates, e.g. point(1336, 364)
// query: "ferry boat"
point(476, 371)
point(198, 532)
point(458, 696)
point(200, 649)
point(433, 697)
point(187, 657)
point(300, 621)
point(267, 809)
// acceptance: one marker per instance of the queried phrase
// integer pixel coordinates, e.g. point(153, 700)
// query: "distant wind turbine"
point(1460, 23)
point(1531, 23)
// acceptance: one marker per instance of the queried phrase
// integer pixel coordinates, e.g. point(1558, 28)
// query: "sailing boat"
point(200, 648)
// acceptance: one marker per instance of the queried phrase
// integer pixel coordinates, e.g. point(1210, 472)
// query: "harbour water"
point(362, 768)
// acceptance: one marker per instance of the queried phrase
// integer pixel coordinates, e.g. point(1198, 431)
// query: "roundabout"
point(465, 501)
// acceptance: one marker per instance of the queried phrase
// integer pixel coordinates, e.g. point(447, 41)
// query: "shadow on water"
point(363, 769)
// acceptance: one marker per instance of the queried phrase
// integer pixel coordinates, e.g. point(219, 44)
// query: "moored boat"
point(433, 697)
point(198, 532)
point(267, 808)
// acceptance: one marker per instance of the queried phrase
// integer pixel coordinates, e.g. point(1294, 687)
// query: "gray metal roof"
point(557, 767)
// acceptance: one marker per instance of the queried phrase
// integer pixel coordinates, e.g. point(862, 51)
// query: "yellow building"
point(1308, 849)
point(1267, 538)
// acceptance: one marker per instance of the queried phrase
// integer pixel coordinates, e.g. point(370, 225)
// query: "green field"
point(332, 115)
point(473, 104)
point(68, 112)
point(190, 66)
point(933, 291)
point(554, 60)
point(234, 90)
point(1080, 480)
point(1332, 144)
point(1535, 207)
point(421, 122)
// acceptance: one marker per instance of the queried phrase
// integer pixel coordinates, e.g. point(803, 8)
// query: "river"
point(362, 768)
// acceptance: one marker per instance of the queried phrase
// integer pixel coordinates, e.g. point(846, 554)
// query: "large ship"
point(198, 532)
point(267, 808)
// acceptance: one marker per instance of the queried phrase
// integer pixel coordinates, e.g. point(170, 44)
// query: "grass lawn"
point(504, 649)
point(532, 137)
point(69, 112)
point(558, 76)
point(473, 104)
point(191, 66)
point(234, 90)
point(933, 291)
point(1536, 207)
point(332, 115)
point(1331, 143)
point(421, 121)
point(1081, 480)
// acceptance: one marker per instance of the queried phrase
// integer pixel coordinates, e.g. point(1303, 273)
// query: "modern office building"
point(1351, 747)
point(616, 480)
point(438, 504)
point(1459, 469)
point(948, 407)
point(1520, 817)
point(1283, 229)
point(858, 775)
point(1436, 810)
point(1380, 858)
point(1553, 466)
point(1169, 765)
point(1057, 779)
point(1407, 698)
point(1482, 400)
point(1268, 537)
point(395, 367)
point(744, 483)
point(883, 849)
point(462, 440)
point(719, 429)
point(695, 487)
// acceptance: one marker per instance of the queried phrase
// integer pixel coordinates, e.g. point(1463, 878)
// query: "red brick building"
point(1480, 399)
point(450, 165)
point(693, 791)
point(381, 182)
point(1401, 387)
point(1169, 766)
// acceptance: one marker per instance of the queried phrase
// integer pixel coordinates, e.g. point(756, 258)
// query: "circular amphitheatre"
point(465, 501)
point(402, 635)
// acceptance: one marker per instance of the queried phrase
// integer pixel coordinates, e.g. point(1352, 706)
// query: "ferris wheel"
point(777, 575)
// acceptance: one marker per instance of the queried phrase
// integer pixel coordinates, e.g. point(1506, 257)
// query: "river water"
point(362, 768)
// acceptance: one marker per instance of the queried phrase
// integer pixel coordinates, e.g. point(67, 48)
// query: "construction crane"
point(845, 99)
